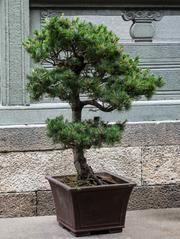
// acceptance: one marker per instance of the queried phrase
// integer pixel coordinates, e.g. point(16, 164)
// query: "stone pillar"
point(14, 21)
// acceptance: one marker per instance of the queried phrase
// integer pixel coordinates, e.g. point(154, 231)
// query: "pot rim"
point(127, 183)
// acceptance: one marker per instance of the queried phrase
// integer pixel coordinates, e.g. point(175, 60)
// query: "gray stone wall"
point(151, 33)
point(149, 154)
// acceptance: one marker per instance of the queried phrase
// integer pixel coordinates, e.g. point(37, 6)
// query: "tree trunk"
point(85, 173)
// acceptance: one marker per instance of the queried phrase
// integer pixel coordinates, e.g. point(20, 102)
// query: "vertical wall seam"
point(141, 166)
point(7, 54)
point(14, 60)
point(36, 204)
point(25, 23)
point(22, 53)
point(1, 52)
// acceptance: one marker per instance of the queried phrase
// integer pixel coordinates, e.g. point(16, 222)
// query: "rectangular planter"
point(89, 209)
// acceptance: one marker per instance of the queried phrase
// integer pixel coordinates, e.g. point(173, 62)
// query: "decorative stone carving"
point(142, 32)
point(49, 13)
point(142, 28)
point(147, 16)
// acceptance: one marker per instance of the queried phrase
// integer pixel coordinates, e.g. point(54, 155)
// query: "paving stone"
point(143, 224)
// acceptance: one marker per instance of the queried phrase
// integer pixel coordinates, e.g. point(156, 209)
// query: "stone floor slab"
point(147, 224)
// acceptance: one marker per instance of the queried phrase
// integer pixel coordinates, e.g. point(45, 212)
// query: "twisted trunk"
point(85, 173)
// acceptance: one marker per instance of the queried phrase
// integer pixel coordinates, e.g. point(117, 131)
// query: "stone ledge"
point(106, 3)
point(33, 137)
point(141, 111)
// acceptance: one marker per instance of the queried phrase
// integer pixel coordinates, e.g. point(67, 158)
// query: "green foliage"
point(83, 134)
point(57, 82)
point(85, 59)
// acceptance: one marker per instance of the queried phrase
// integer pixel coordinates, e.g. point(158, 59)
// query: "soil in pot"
point(71, 181)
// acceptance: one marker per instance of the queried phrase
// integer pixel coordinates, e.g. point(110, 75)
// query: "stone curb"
point(34, 138)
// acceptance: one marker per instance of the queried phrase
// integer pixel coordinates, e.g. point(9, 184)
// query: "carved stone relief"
point(142, 28)
point(49, 13)
point(142, 15)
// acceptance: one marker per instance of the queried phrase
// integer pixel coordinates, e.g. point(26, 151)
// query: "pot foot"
point(61, 225)
point(80, 234)
point(76, 234)
point(115, 230)
point(109, 231)
point(89, 233)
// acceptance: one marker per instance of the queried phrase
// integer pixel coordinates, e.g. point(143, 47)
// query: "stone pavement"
point(147, 224)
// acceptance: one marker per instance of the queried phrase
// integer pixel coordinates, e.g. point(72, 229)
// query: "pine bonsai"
point(86, 59)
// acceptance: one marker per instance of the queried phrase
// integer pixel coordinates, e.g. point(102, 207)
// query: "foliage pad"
point(86, 59)
point(83, 134)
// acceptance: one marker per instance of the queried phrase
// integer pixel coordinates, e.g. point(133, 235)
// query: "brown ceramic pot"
point(88, 210)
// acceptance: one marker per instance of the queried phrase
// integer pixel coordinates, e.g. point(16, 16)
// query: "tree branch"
point(97, 105)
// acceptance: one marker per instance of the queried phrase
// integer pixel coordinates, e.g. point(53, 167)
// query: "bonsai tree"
point(85, 59)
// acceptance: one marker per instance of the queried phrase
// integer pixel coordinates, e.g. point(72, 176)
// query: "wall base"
point(40, 203)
